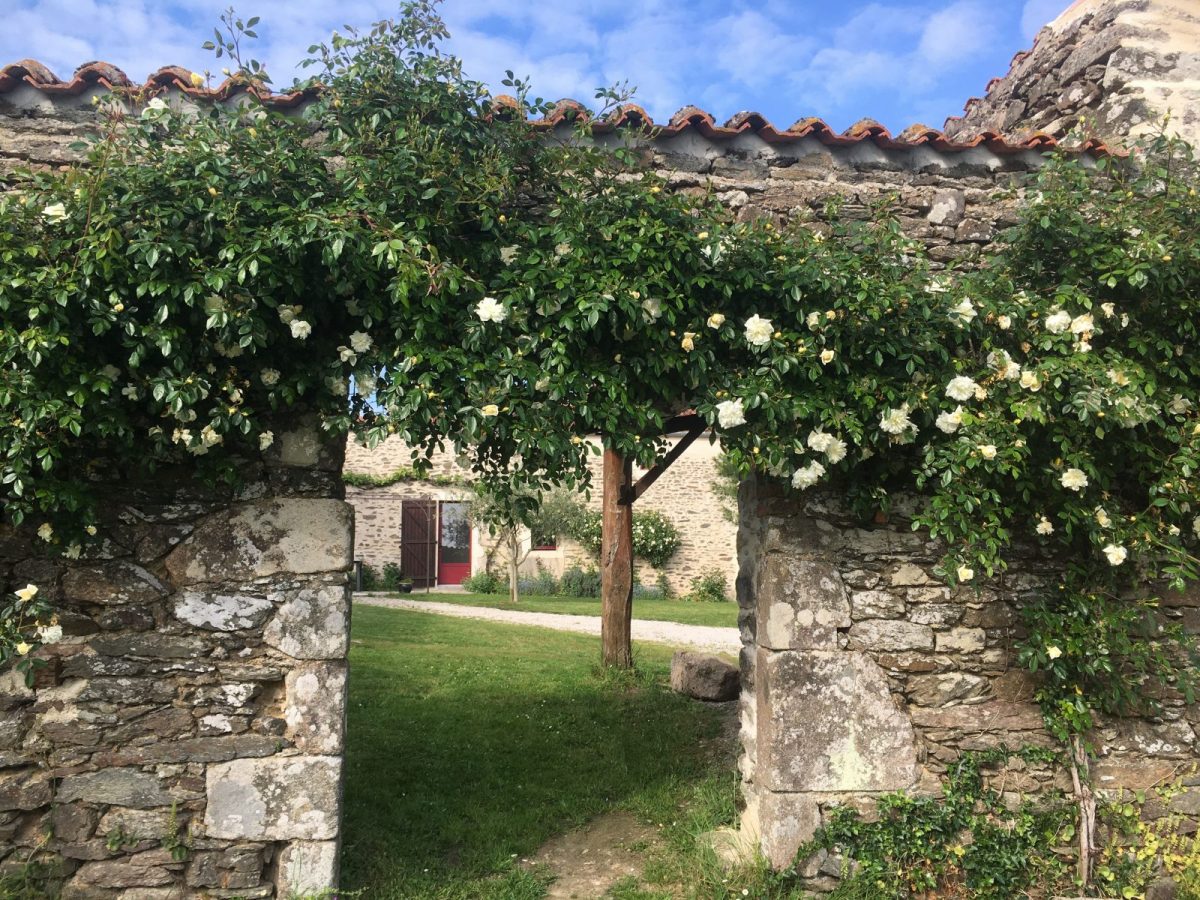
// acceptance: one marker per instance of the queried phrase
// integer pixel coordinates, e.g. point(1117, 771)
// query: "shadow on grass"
point(471, 743)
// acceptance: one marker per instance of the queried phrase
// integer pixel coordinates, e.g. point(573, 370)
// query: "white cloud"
point(957, 32)
point(1038, 13)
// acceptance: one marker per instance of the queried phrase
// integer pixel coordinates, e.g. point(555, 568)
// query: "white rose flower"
point(1058, 321)
point(50, 634)
point(286, 314)
point(651, 310)
point(489, 309)
point(490, 409)
point(716, 320)
point(819, 440)
point(806, 476)
point(55, 212)
point(827, 356)
point(1030, 381)
point(1083, 347)
point(154, 108)
point(1053, 652)
point(45, 531)
point(961, 388)
point(1045, 526)
point(896, 421)
point(1102, 518)
point(1120, 379)
point(1108, 309)
point(1004, 322)
point(364, 384)
point(1179, 405)
point(836, 451)
point(210, 437)
point(270, 377)
point(266, 439)
point(759, 330)
point(1196, 525)
point(965, 573)
point(130, 392)
point(509, 254)
point(949, 422)
point(731, 413)
point(27, 593)
point(73, 550)
point(300, 329)
point(813, 319)
point(1116, 554)
point(360, 342)
point(987, 451)
point(962, 314)
point(1082, 324)
point(1074, 480)
point(338, 386)
point(346, 355)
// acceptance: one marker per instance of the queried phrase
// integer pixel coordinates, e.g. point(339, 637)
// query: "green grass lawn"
point(721, 614)
point(471, 743)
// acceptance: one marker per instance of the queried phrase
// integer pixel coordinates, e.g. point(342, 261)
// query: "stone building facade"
point(185, 737)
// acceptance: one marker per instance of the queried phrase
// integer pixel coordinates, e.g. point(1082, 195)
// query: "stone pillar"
point(824, 722)
point(187, 736)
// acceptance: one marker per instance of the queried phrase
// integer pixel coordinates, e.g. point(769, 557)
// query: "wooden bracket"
point(695, 427)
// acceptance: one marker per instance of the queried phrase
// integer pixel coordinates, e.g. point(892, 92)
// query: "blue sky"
point(897, 61)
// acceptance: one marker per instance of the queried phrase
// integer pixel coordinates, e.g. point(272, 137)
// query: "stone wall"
point(1111, 68)
point(865, 674)
point(197, 700)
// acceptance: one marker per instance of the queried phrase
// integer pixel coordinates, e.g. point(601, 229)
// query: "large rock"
point(268, 537)
point(311, 623)
point(704, 677)
point(275, 799)
point(827, 722)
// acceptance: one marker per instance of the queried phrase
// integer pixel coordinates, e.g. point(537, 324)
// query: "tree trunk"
point(616, 565)
point(514, 564)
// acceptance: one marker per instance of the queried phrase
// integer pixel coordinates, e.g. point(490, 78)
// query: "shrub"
point(664, 586)
point(709, 586)
point(543, 582)
point(647, 592)
point(483, 583)
point(655, 537)
point(393, 577)
point(577, 582)
point(370, 578)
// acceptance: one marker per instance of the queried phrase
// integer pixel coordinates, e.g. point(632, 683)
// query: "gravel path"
point(701, 637)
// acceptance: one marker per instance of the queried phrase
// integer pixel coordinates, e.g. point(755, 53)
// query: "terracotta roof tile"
point(688, 119)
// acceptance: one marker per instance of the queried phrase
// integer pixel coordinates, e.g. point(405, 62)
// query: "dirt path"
point(701, 637)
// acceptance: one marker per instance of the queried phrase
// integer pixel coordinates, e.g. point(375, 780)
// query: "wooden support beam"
point(634, 492)
point(616, 564)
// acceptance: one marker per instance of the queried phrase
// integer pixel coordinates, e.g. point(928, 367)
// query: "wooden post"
point(616, 563)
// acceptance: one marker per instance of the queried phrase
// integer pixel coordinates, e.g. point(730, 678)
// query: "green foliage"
point(1100, 653)
point(393, 577)
point(710, 586)
point(655, 537)
point(370, 578)
point(402, 475)
point(577, 582)
point(484, 583)
point(968, 842)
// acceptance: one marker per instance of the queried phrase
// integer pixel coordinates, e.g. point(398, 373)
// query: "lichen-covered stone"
point(277, 798)
point(119, 787)
point(311, 624)
point(827, 722)
point(801, 603)
point(221, 612)
point(307, 868)
point(267, 537)
point(704, 677)
point(315, 709)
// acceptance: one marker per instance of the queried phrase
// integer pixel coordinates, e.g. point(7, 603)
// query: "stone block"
point(119, 787)
point(307, 868)
point(876, 605)
point(119, 873)
point(221, 612)
point(782, 822)
point(267, 537)
point(961, 640)
point(112, 583)
point(704, 677)
point(312, 623)
point(315, 708)
point(945, 688)
point(890, 635)
point(274, 799)
point(801, 603)
point(997, 716)
point(827, 722)
point(26, 789)
point(947, 207)
point(937, 615)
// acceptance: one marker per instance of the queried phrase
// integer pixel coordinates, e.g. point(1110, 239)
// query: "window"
point(543, 541)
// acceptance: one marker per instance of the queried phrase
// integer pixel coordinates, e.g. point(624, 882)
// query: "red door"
point(454, 543)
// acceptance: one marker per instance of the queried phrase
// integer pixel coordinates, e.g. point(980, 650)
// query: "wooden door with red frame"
point(454, 542)
point(419, 541)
